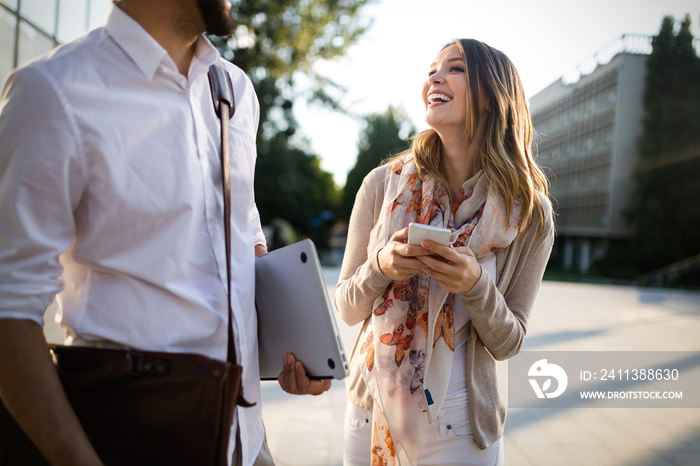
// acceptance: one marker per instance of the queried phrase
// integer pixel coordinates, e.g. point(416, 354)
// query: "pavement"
point(308, 431)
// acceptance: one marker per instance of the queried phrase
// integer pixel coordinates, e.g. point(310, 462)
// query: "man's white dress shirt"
point(111, 200)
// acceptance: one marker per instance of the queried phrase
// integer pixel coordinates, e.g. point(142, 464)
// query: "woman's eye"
point(457, 69)
point(431, 72)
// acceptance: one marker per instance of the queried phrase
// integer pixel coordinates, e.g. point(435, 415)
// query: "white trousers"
point(447, 441)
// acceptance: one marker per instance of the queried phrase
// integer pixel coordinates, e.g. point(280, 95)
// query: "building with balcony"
point(587, 143)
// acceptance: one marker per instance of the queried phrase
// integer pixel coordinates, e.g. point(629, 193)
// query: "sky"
point(545, 39)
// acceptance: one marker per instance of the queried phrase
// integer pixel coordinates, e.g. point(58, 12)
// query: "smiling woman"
point(463, 103)
point(423, 368)
point(444, 93)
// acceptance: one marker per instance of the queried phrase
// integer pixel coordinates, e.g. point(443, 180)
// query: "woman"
point(423, 385)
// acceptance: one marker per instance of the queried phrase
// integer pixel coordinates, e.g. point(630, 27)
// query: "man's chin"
point(216, 15)
point(221, 30)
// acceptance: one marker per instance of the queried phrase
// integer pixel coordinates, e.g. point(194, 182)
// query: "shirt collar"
point(205, 55)
point(143, 49)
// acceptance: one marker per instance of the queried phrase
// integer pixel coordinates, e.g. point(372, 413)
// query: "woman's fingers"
point(454, 269)
point(398, 260)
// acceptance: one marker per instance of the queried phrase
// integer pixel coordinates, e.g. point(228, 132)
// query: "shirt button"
point(449, 426)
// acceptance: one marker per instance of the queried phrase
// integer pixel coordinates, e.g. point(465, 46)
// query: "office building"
point(587, 142)
point(29, 28)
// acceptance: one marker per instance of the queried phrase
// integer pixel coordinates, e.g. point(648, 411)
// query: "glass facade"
point(40, 13)
point(29, 28)
point(32, 42)
point(577, 144)
point(587, 133)
point(8, 27)
point(72, 19)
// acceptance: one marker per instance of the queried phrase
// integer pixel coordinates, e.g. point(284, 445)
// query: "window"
point(41, 13)
point(99, 10)
point(31, 43)
point(8, 24)
point(12, 4)
point(71, 19)
point(43, 24)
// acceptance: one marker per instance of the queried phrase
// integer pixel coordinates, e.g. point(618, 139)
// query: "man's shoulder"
point(243, 88)
point(237, 74)
point(48, 76)
point(67, 61)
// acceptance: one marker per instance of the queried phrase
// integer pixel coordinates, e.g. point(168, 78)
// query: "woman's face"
point(445, 92)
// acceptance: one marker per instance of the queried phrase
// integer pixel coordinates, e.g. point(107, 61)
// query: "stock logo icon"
point(542, 370)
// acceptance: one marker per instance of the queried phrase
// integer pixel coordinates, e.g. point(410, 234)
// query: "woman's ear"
point(488, 105)
point(485, 101)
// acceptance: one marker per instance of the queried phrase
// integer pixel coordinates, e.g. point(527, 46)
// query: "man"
point(110, 199)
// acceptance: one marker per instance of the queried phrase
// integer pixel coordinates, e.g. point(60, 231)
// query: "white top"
point(457, 394)
point(110, 196)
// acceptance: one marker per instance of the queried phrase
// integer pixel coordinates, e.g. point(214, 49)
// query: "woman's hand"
point(399, 260)
point(293, 379)
point(456, 270)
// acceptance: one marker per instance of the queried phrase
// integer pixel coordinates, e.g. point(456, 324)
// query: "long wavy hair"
point(506, 152)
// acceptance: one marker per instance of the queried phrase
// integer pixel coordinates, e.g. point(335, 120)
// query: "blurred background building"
point(29, 28)
point(587, 140)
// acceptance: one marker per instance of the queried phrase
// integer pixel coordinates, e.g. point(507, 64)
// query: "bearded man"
point(111, 202)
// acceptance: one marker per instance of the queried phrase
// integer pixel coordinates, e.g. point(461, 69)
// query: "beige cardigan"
point(498, 312)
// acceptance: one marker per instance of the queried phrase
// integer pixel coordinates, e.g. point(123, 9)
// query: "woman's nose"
point(436, 78)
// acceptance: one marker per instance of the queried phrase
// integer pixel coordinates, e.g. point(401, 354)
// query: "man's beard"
point(217, 20)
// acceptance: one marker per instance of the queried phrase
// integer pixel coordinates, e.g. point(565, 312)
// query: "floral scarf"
point(409, 346)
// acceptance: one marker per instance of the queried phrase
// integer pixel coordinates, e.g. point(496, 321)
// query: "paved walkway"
point(308, 431)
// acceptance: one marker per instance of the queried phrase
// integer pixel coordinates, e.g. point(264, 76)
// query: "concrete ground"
point(308, 431)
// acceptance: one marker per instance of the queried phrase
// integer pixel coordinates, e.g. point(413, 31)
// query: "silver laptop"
point(295, 314)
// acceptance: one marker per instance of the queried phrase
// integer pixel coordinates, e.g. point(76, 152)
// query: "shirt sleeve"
point(41, 181)
point(256, 228)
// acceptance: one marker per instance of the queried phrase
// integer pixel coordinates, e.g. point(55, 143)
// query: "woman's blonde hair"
point(506, 152)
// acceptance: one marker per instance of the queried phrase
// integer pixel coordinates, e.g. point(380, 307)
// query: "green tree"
point(380, 139)
point(276, 43)
point(290, 184)
point(663, 210)
point(277, 38)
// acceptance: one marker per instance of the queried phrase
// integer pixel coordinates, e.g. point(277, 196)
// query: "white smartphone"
point(417, 232)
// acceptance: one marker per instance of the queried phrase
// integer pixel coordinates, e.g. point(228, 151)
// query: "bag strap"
point(225, 107)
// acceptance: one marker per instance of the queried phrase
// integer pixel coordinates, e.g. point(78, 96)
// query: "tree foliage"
point(663, 210)
point(279, 37)
point(275, 43)
point(672, 91)
point(380, 139)
point(291, 185)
